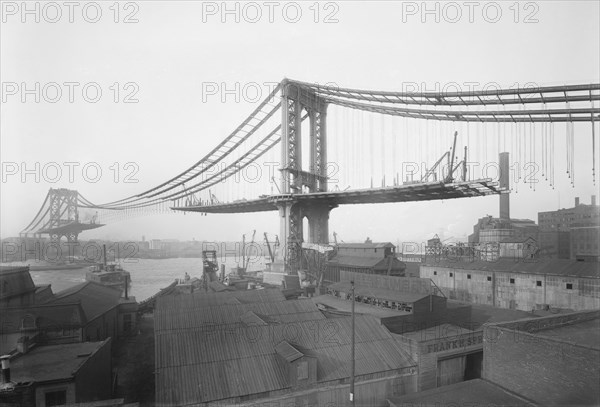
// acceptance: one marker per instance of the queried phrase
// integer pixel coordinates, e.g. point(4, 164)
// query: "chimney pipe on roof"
point(5, 368)
point(504, 183)
point(577, 201)
point(593, 199)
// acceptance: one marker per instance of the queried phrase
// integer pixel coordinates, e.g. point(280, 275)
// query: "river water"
point(148, 276)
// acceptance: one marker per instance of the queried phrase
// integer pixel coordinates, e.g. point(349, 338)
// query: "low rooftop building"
point(547, 361)
point(60, 374)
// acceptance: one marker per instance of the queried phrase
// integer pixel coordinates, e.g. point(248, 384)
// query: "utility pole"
point(352, 369)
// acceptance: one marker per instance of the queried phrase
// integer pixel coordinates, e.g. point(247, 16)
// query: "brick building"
point(548, 361)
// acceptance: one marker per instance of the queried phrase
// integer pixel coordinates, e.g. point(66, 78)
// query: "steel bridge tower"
point(63, 211)
point(298, 104)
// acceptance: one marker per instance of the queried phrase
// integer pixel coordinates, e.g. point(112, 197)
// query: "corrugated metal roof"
point(52, 362)
point(381, 293)
point(96, 299)
point(184, 312)
point(203, 298)
point(200, 365)
point(557, 267)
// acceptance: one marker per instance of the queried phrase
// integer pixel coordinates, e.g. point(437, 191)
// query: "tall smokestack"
point(504, 181)
point(576, 201)
point(5, 368)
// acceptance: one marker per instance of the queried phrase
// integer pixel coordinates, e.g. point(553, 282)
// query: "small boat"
point(109, 274)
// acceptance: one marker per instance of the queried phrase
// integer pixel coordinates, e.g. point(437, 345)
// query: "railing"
point(438, 289)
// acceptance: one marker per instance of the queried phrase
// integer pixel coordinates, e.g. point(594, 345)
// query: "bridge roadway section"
point(403, 193)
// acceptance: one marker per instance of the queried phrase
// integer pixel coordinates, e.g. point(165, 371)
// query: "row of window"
point(538, 283)
point(400, 306)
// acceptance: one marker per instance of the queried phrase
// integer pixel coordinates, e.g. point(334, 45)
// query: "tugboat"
point(111, 275)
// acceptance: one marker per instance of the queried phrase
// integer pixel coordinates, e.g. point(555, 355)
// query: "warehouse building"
point(523, 285)
point(367, 258)
point(273, 353)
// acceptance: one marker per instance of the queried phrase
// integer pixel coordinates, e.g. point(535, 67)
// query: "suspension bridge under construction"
point(339, 146)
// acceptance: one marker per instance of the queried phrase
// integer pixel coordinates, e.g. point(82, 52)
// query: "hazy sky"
point(166, 61)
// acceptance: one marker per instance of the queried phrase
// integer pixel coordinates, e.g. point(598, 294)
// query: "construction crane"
point(450, 155)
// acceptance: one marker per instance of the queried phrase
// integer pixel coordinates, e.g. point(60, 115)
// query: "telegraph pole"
point(352, 369)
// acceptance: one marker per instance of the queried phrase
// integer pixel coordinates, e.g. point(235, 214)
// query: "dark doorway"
point(473, 365)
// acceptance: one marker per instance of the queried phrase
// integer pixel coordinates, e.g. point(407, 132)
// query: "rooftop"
point(435, 332)
point(557, 267)
point(585, 333)
point(382, 293)
point(15, 281)
point(476, 392)
point(195, 365)
point(53, 362)
point(342, 307)
point(183, 312)
point(580, 328)
point(202, 298)
point(483, 314)
point(96, 299)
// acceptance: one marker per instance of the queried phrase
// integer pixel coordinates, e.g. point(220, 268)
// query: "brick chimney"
point(593, 199)
point(577, 201)
point(504, 181)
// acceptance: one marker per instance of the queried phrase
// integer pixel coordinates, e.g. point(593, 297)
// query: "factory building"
point(523, 285)
point(585, 243)
point(569, 233)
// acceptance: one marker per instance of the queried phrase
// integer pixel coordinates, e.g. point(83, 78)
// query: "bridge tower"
point(298, 103)
point(63, 211)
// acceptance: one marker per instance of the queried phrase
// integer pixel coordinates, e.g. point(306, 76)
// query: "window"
point(451, 274)
point(538, 283)
point(127, 323)
point(489, 278)
point(302, 370)
point(56, 398)
point(512, 280)
point(468, 276)
point(569, 286)
point(435, 273)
